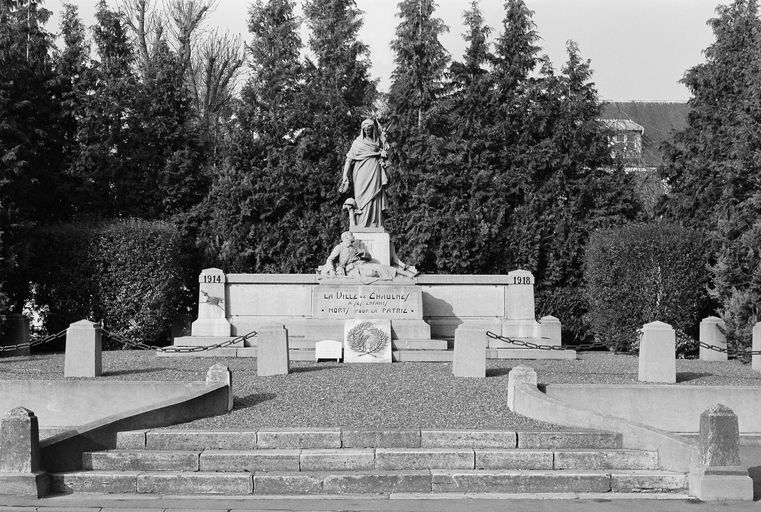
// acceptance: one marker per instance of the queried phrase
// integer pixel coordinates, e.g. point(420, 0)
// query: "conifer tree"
point(30, 134)
point(248, 216)
point(713, 165)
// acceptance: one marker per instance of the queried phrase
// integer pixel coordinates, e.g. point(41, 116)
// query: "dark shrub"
point(641, 273)
point(127, 274)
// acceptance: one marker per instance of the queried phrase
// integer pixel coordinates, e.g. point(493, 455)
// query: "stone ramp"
point(337, 461)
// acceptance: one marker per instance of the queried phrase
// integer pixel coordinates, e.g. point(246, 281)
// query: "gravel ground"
point(374, 395)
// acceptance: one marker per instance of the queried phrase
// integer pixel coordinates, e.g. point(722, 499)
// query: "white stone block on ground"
point(469, 352)
point(367, 341)
point(657, 353)
point(328, 349)
point(518, 376)
point(83, 356)
point(711, 334)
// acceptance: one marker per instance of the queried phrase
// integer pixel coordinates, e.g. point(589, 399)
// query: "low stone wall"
point(311, 308)
point(72, 403)
point(667, 407)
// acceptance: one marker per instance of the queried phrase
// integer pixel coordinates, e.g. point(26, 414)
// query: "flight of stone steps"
point(332, 461)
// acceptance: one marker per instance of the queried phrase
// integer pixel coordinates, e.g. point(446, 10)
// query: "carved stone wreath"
point(366, 339)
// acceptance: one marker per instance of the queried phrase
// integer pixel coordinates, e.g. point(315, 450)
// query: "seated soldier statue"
point(348, 260)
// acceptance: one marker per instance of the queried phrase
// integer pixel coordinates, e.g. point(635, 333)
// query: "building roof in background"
point(626, 125)
point(658, 119)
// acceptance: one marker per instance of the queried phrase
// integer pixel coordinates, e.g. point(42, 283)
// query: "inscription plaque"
point(347, 301)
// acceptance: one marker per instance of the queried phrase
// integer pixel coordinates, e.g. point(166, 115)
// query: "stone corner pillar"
point(720, 475)
point(84, 350)
point(711, 334)
point(520, 320)
point(469, 358)
point(20, 473)
point(519, 375)
point(221, 374)
point(551, 330)
point(657, 353)
point(212, 305)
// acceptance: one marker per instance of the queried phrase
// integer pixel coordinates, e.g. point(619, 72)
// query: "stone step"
point(529, 353)
point(299, 438)
point(365, 459)
point(423, 356)
point(367, 482)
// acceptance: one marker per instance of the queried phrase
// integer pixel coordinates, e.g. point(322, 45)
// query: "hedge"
point(641, 273)
point(128, 274)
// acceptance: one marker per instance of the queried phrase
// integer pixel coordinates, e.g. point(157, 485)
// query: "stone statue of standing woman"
point(365, 172)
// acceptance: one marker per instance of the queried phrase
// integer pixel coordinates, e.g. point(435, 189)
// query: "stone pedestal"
point(657, 353)
point(212, 305)
point(469, 352)
point(367, 341)
point(83, 350)
point(720, 476)
point(518, 376)
point(756, 360)
point(377, 244)
point(221, 374)
point(710, 333)
point(14, 331)
point(551, 331)
point(272, 351)
point(20, 473)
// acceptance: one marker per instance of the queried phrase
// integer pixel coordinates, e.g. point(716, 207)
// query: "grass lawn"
point(374, 395)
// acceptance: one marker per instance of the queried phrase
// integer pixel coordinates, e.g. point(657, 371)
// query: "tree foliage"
point(713, 166)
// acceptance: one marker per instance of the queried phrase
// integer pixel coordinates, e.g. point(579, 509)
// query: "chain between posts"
point(33, 342)
point(179, 349)
point(735, 352)
point(537, 346)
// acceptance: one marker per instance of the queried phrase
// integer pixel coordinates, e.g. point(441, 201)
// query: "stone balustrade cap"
point(84, 324)
point(718, 410)
point(657, 325)
point(714, 319)
point(549, 318)
point(19, 412)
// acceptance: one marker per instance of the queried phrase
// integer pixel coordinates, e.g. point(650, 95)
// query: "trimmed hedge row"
point(128, 274)
point(641, 273)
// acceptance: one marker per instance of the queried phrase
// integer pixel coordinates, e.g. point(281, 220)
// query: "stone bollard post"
point(83, 350)
point(14, 332)
point(756, 347)
point(272, 351)
point(469, 352)
point(20, 473)
point(518, 376)
point(212, 305)
point(551, 331)
point(657, 353)
point(221, 374)
point(720, 475)
point(710, 333)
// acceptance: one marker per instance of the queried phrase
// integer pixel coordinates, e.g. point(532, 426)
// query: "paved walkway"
point(395, 503)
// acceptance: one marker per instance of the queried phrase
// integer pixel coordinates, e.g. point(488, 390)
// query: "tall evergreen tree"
point(248, 217)
point(713, 164)
point(30, 135)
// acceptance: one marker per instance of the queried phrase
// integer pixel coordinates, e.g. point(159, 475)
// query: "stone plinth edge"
point(674, 453)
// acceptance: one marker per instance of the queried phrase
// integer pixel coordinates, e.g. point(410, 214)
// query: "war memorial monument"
point(364, 283)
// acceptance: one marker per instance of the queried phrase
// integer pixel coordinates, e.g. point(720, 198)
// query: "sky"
point(639, 50)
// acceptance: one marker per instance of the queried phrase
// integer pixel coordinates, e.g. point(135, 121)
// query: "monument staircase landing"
point(335, 461)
